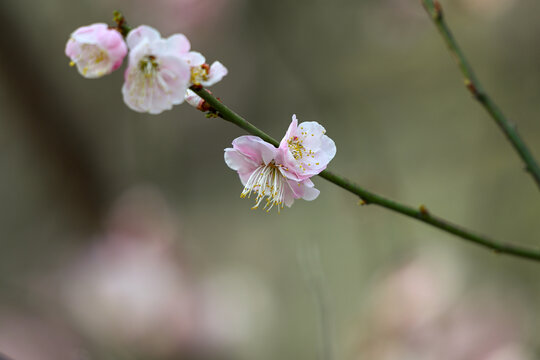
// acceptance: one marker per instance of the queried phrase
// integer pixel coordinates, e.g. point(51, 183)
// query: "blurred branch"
point(420, 214)
point(434, 9)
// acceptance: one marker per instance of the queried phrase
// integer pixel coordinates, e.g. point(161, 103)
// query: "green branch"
point(420, 214)
point(434, 9)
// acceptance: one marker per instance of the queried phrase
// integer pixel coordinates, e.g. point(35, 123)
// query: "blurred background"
point(123, 235)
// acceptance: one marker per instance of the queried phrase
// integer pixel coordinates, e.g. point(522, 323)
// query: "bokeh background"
point(123, 235)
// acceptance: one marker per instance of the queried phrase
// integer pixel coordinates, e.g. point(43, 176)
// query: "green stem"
point(121, 24)
point(434, 9)
point(420, 214)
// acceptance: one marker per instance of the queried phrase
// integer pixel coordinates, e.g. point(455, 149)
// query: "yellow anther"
point(72, 63)
point(101, 56)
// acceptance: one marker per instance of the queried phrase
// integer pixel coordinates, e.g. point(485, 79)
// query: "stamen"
point(199, 74)
point(268, 182)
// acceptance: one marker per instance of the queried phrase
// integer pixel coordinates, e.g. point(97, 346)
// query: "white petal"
point(141, 33)
point(310, 193)
point(194, 58)
point(178, 44)
point(216, 73)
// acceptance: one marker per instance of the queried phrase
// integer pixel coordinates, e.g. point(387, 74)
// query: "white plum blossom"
point(307, 150)
point(157, 76)
point(96, 50)
point(202, 74)
point(262, 171)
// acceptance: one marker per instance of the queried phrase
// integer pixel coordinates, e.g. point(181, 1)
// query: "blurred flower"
point(96, 50)
point(130, 289)
point(181, 15)
point(262, 170)
point(157, 76)
point(27, 337)
point(236, 308)
point(418, 312)
point(307, 149)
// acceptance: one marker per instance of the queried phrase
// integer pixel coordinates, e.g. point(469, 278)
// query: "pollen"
point(269, 185)
point(297, 149)
point(199, 74)
point(100, 57)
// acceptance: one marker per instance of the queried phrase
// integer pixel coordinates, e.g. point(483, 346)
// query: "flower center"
point(148, 65)
point(296, 147)
point(199, 74)
point(91, 58)
point(149, 80)
point(268, 182)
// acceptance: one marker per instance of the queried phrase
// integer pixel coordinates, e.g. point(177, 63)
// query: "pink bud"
point(96, 50)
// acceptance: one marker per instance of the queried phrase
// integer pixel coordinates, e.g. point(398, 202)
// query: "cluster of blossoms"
point(159, 74)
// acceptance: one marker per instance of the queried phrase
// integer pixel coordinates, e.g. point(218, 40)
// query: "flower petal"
point(140, 34)
point(255, 148)
point(96, 50)
point(178, 44)
point(194, 58)
point(291, 131)
point(193, 99)
point(216, 73)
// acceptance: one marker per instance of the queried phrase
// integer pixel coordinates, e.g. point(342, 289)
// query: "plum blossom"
point(202, 74)
point(307, 150)
point(96, 50)
point(157, 76)
point(262, 171)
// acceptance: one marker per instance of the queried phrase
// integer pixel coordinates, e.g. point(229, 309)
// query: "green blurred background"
point(86, 181)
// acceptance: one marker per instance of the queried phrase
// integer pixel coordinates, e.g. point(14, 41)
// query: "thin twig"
point(420, 214)
point(434, 9)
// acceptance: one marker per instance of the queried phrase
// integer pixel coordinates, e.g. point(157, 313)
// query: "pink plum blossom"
point(96, 50)
point(157, 76)
point(262, 170)
point(307, 150)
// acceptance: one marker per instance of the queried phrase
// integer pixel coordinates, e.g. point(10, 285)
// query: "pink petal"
point(255, 148)
point(291, 131)
point(240, 163)
point(87, 34)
